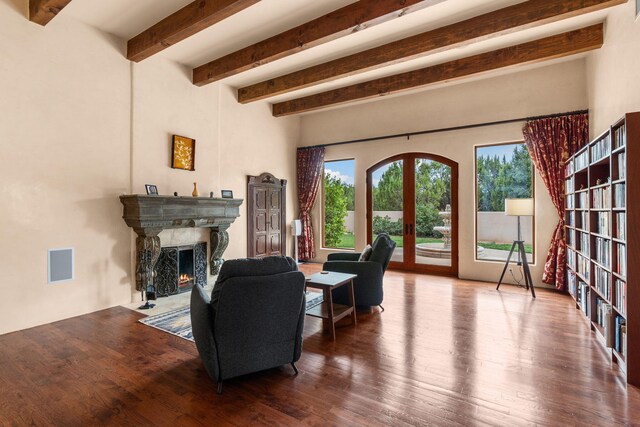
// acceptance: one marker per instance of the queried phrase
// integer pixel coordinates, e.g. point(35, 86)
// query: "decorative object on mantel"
point(184, 153)
point(149, 215)
point(152, 190)
point(227, 194)
point(175, 193)
point(195, 190)
point(211, 194)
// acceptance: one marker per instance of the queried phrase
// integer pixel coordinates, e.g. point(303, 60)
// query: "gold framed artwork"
point(183, 153)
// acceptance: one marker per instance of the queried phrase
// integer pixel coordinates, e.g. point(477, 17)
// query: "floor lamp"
point(519, 207)
point(296, 230)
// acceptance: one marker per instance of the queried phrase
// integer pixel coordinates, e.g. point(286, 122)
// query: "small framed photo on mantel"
point(152, 190)
point(183, 153)
point(226, 194)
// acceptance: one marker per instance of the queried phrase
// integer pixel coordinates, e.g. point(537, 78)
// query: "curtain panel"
point(550, 142)
point(310, 166)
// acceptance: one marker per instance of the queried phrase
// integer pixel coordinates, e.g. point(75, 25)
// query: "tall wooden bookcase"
point(602, 208)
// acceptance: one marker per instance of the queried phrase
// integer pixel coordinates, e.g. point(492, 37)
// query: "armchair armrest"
point(343, 256)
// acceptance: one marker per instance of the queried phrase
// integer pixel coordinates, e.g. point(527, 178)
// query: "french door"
point(414, 198)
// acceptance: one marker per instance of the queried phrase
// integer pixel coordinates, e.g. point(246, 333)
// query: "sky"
point(343, 169)
point(500, 150)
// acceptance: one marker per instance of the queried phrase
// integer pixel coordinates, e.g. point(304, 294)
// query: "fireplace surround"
point(149, 215)
point(180, 268)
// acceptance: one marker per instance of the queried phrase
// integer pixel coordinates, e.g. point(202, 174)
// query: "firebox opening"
point(186, 273)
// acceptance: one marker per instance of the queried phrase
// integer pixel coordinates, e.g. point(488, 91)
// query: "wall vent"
point(60, 265)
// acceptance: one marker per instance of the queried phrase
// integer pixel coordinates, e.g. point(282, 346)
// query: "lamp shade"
point(518, 207)
point(296, 227)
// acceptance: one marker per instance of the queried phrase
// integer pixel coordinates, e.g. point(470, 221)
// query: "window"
point(502, 172)
point(339, 204)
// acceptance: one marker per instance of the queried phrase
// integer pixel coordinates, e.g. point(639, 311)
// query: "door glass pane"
point(433, 213)
point(387, 204)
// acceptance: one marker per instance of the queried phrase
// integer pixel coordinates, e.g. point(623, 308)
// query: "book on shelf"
point(569, 185)
point(621, 259)
point(601, 149)
point(602, 282)
point(603, 249)
point(622, 165)
point(601, 198)
point(620, 335)
point(603, 224)
point(571, 258)
point(619, 191)
point(571, 283)
point(584, 220)
point(569, 202)
point(571, 219)
point(604, 315)
point(621, 226)
point(584, 243)
point(620, 302)
point(619, 137)
point(583, 200)
point(581, 161)
point(570, 238)
point(583, 266)
point(583, 297)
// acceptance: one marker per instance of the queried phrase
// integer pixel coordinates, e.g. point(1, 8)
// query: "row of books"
point(569, 202)
point(584, 243)
point(619, 137)
point(602, 282)
point(603, 251)
point(619, 191)
point(603, 223)
point(601, 198)
point(621, 335)
point(569, 168)
point(621, 296)
point(583, 265)
point(621, 258)
point(583, 201)
point(582, 297)
point(604, 317)
point(601, 149)
point(581, 161)
point(571, 259)
point(622, 166)
point(569, 186)
point(583, 216)
point(570, 239)
point(571, 283)
point(621, 225)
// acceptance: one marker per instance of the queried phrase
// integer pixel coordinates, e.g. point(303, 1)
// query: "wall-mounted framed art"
point(183, 153)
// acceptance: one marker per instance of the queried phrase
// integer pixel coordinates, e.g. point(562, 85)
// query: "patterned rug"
point(178, 322)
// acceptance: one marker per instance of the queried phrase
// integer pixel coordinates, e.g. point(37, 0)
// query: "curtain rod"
point(449, 129)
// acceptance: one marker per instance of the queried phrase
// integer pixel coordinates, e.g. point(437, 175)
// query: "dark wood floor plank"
point(445, 352)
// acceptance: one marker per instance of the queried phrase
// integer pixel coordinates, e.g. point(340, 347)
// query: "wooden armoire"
point(266, 219)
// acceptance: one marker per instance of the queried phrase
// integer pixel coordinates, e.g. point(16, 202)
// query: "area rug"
point(178, 322)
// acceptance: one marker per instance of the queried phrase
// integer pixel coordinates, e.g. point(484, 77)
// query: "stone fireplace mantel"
point(149, 215)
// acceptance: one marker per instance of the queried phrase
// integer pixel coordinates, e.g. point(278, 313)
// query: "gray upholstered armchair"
point(367, 287)
point(254, 319)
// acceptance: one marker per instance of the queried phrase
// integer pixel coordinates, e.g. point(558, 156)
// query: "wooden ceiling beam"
point(503, 21)
point(545, 49)
point(43, 11)
point(189, 20)
point(341, 22)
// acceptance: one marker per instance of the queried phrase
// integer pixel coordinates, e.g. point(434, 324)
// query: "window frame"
point(322, 206)
point(475, 207)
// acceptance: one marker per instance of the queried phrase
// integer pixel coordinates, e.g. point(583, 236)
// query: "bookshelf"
point(600, 222)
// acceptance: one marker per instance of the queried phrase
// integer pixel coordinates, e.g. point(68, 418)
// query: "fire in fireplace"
point(180, 268)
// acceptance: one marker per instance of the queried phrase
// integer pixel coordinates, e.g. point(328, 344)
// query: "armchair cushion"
point(366, 253)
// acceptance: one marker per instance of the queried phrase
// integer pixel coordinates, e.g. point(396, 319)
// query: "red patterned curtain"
point(551, 142)
point(309, 170)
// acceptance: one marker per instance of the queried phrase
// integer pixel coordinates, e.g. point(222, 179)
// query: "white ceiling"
point(126, 18)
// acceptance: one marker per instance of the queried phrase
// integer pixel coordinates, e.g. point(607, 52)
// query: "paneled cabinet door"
point(266, 209)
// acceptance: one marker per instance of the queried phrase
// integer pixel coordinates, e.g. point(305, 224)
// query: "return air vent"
point(60, 265)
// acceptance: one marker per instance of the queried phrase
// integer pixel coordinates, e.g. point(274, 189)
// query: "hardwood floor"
point(445, 352)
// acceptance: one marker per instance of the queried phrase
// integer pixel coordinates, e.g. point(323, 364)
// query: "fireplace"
point(180, 268)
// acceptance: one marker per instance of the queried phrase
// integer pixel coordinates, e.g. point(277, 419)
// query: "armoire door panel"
point(261, 222)
point(261, 245)
point(260, 199)
point(274, 247)
point(274, 224)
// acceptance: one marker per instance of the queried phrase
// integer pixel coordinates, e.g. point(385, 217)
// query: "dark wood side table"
point(328, 310)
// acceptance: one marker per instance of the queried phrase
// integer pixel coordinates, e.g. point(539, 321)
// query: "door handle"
point(406, 229)
point(410, 228)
